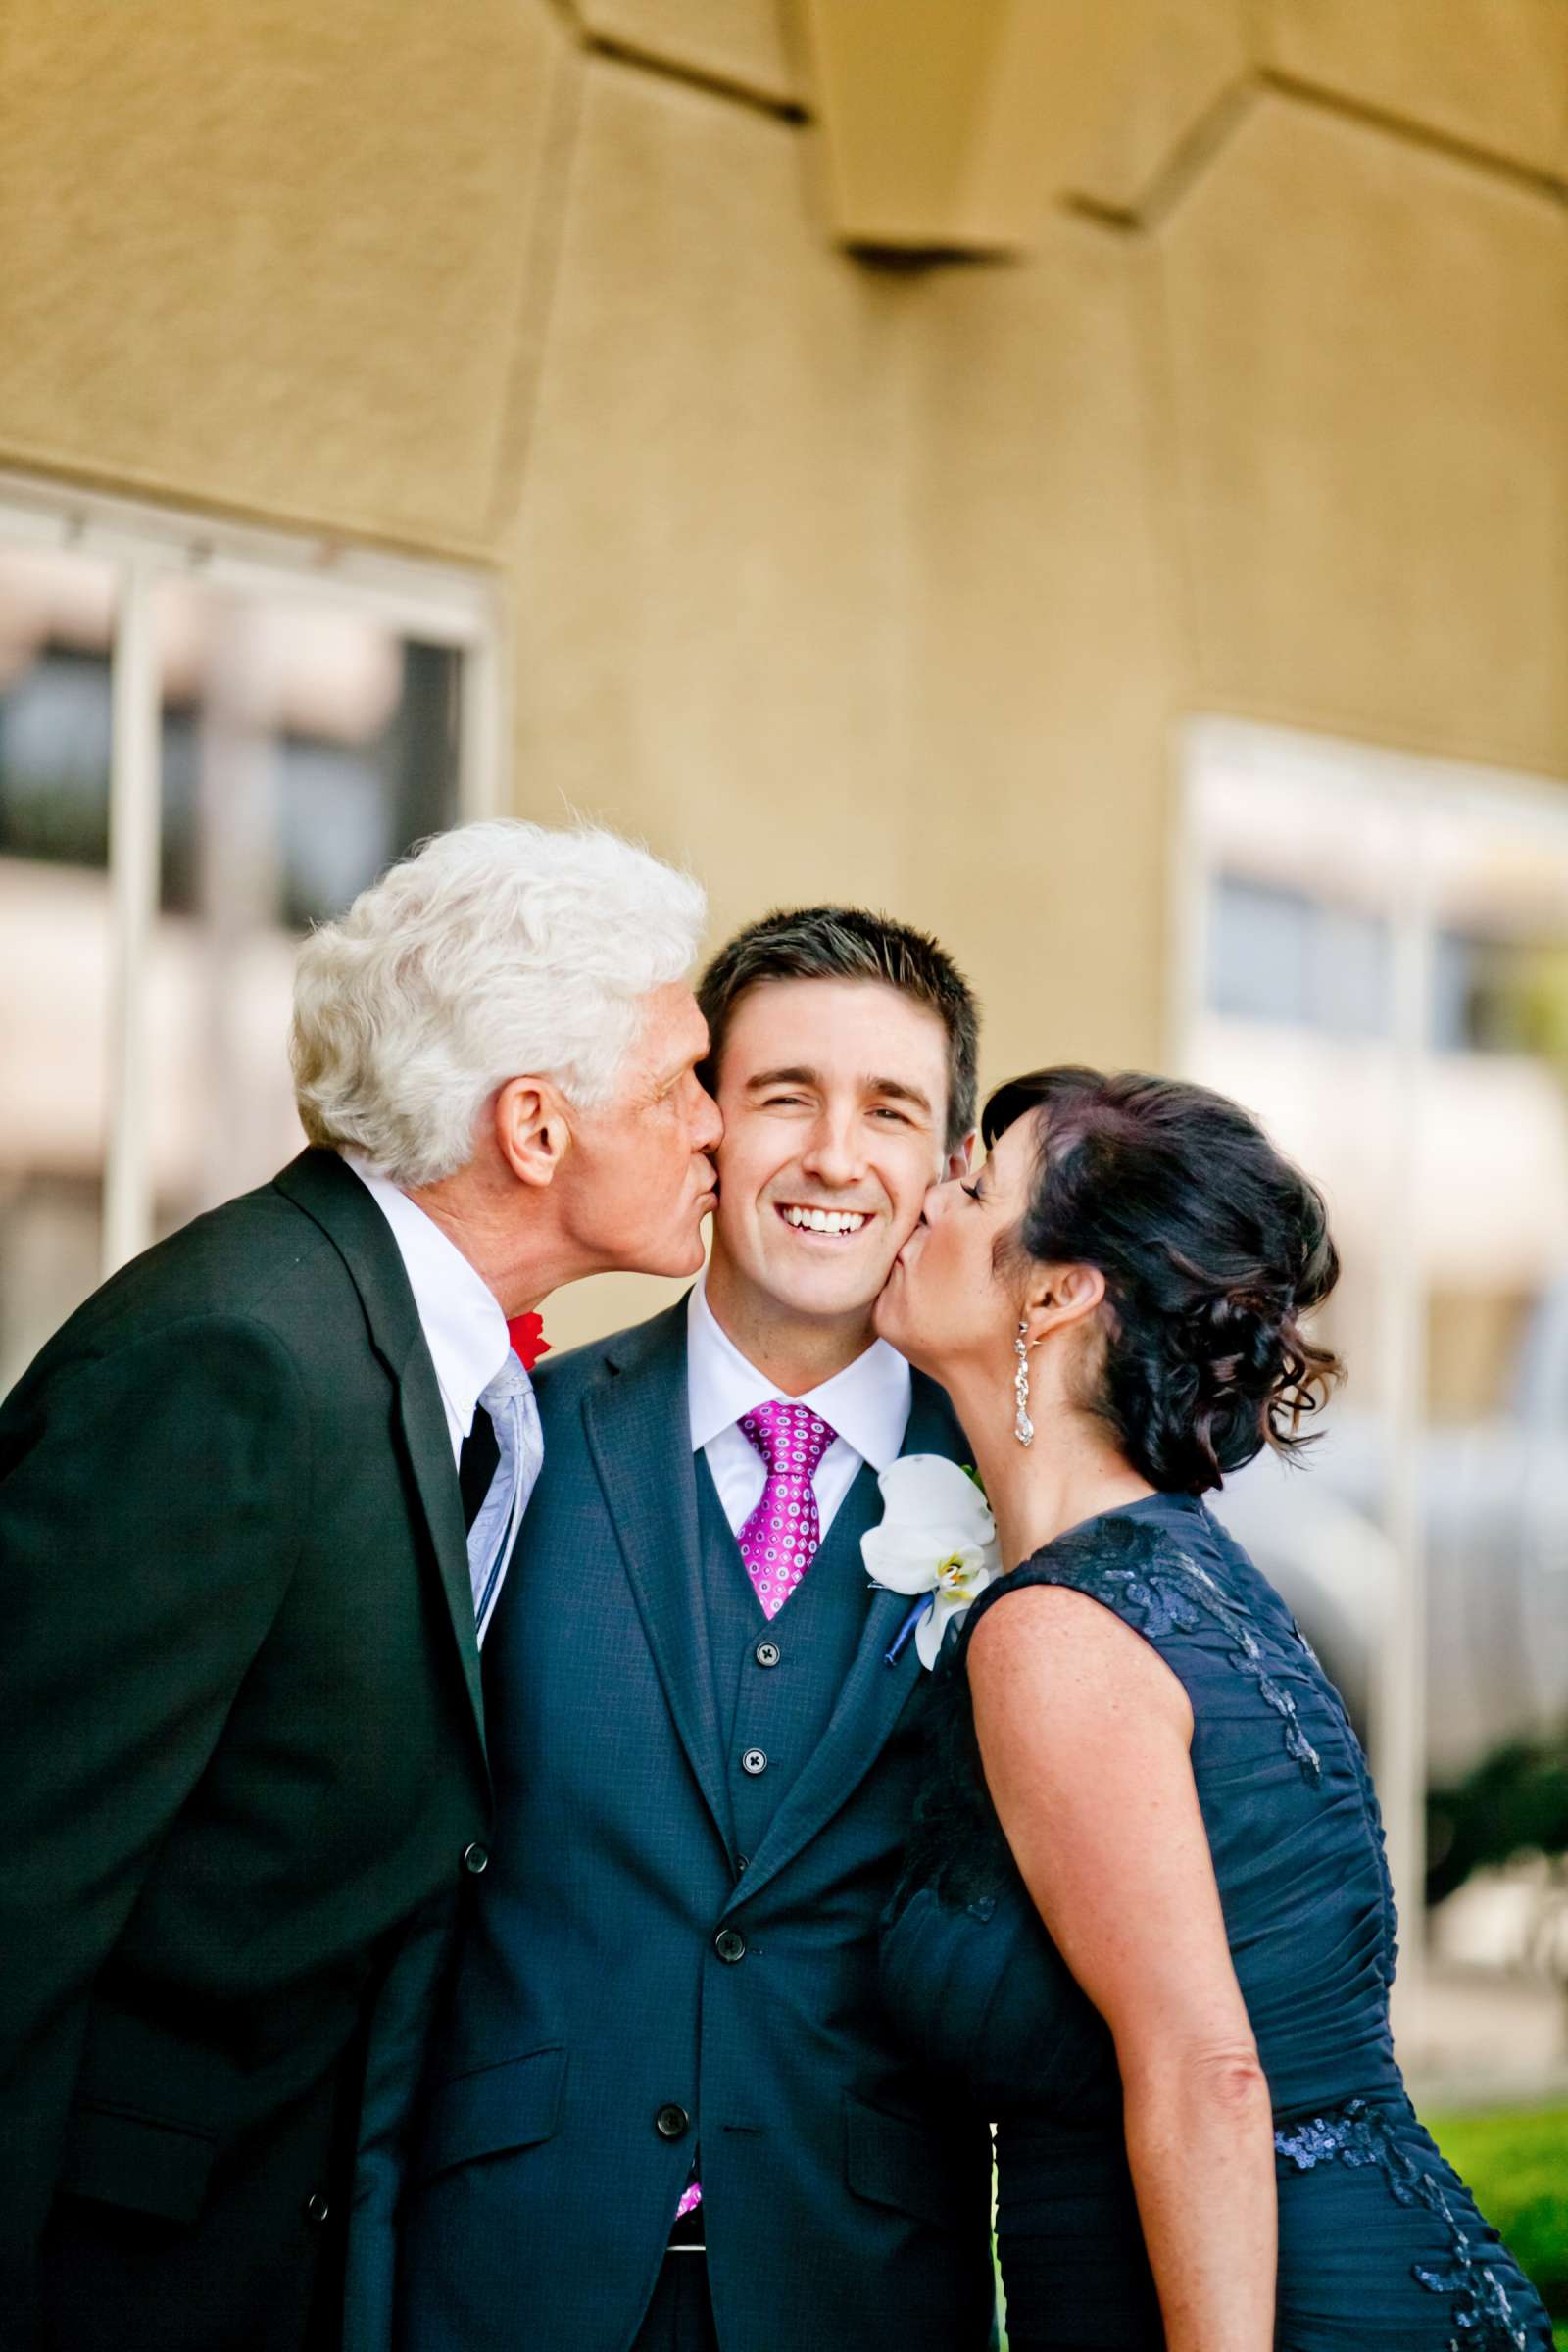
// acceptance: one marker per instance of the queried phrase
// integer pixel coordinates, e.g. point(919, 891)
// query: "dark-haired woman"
point(1146, 1914)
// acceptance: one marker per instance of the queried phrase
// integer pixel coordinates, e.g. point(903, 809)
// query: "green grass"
point(1515, 2165)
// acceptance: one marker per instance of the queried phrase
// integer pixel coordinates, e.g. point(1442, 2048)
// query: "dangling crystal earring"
point(1023, 1429)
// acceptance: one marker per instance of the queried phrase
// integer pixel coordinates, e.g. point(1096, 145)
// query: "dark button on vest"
point(772, 1723)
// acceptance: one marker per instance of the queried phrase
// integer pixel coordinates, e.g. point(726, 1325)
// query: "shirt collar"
point(867, 1404)
point(459, 1313)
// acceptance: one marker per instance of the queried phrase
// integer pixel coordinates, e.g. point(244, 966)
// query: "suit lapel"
point(333, 1197)
point(429, 1444)
point(874, 1694)
point(638, 1425)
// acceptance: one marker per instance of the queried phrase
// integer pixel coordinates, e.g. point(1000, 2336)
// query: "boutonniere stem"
point(901, 1640)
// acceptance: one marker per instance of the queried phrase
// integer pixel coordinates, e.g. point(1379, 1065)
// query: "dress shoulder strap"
point(1135, 1567)
point(1174, 1594)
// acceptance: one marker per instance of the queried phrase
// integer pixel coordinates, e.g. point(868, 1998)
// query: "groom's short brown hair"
point(849, 942)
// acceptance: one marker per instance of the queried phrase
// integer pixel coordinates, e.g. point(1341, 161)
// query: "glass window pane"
point(1385, 980)
point(304, 747)
point(1494, 1219)
point(1286, 955)
point(55, 626)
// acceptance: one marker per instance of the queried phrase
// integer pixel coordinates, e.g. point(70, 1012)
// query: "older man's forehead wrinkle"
point(683, 1053)
point(670, 1077)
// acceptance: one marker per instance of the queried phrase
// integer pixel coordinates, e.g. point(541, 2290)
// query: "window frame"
point(1413, 784)
point(441, 604)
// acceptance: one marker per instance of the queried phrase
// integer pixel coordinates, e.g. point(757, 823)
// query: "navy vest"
point(777, 1681)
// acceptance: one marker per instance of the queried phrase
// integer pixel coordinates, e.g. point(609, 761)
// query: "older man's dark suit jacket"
point(665, 1953)
point(240, 1744)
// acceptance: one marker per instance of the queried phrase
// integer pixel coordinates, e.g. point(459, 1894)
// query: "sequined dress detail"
point(1379, 2242)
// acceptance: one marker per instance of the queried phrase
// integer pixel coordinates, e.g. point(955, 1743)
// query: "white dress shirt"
point(868, 1405)
point(459, 1313)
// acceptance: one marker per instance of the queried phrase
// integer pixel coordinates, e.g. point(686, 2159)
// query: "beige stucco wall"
point(829, 575)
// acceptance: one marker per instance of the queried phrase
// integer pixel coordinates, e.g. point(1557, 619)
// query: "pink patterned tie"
point(779, 1541)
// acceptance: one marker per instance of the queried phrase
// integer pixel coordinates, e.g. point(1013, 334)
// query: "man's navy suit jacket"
point(626, 1988)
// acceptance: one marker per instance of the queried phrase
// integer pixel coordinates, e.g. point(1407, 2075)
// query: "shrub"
point(1516, 2164)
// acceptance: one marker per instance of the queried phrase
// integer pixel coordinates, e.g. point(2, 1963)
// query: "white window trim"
point(144, 543)
point(1398, 1688)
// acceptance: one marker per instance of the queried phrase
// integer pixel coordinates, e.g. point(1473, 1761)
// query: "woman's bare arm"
point(1084, 1734)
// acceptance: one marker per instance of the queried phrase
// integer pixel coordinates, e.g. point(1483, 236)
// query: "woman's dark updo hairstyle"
point(1212, 1247)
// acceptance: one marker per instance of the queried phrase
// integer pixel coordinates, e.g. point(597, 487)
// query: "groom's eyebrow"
point(896, 1090)
point(795, 1076)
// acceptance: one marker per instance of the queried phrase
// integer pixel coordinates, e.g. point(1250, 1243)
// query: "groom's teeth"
point(825, 1221)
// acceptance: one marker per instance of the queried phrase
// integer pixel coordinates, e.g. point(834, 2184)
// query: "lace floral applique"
point(1168, 1598)
point(1163, 1609)
point(1357, 2134)
point(955, 1844)
point(1297, 1743)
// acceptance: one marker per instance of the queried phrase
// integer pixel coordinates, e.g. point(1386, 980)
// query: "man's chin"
point(825, 1300)
point(675, 1262)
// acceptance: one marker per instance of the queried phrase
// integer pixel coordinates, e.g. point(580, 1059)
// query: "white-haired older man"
point(242, 1736)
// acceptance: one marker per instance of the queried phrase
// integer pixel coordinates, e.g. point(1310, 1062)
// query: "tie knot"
point(789, 1437)
point(510, 1381)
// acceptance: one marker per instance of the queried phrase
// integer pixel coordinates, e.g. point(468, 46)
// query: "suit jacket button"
point(476, 1858)
point(768, 1653)
point(671, 2122)
point(316, 2207)
point(753, 1762)
point(730, 1944)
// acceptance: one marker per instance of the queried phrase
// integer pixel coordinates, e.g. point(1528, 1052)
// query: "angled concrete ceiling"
point(958, 126)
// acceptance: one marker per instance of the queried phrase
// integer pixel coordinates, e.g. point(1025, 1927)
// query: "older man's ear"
point(532, 1129)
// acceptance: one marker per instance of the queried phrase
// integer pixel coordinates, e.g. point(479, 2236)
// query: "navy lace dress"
point(1380, 2243)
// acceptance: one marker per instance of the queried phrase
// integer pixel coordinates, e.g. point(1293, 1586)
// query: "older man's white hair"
point(497, 951)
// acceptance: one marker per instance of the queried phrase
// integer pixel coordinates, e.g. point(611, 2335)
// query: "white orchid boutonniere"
point(937, 1538)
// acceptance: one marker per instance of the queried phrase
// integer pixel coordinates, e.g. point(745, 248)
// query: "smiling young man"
point(836, 1101)
point(664, 2106)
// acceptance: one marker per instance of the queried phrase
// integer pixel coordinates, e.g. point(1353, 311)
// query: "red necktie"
point(527, 1336)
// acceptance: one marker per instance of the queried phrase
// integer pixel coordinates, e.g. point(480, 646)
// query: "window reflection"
point(1282, 955)
point(55, 621)
point(303, 745)
point(1385, 981)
